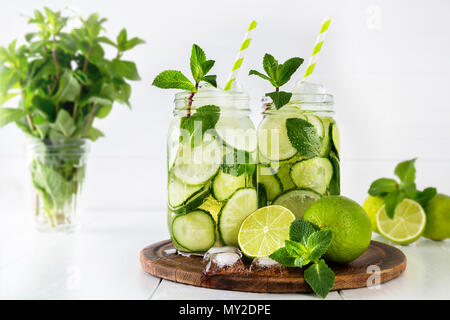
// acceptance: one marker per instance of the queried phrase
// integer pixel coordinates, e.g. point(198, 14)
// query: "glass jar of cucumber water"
point(211, 168)
point(298, 150)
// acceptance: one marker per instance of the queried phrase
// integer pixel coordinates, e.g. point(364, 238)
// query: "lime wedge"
point(408, 223)
point(265, 231)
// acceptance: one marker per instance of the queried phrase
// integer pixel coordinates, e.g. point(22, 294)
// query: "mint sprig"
point(306, 246)
point(200, 67)
point(395, 192)
point(278, 75)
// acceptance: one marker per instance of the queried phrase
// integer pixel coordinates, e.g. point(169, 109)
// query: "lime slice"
point(236, 209)
point(297, 201)
point(408, 223)
point(265, 231)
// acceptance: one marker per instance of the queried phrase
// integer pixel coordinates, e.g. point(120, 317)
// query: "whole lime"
point(350, 226)
point(438, 218)
point(372, 205)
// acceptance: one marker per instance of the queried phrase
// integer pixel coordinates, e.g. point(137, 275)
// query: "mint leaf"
point(125, 69)
point(207, 66)
point(300, 230)
point(303, 136)
point(197, 58)
point(287, 69)
point(383, 186)
point(64, 123)
point(423, 197)
point(279, 98)
point(93, 134)
point(391, 201)
point(270, 65)
point(172, 79)
point(318, 243)
point(69, 88)
point(261, 75)
point(282, 257)
point(406, 171)
point(295, 249)
point(204, 119)
point(320, 277)
point(302, 260)
point(211, 80)
point(8, 115)
point(237, 163)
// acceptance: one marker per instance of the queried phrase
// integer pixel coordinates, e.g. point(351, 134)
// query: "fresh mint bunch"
point(63, 78)
point(278, 75)
point(200, 67)
point(395, 192)
point(306, 247)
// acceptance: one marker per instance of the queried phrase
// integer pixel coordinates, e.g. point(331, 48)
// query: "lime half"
point(265, 231)
point(408, 223)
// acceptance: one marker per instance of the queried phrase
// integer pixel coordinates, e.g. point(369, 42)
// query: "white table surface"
point(102, 262)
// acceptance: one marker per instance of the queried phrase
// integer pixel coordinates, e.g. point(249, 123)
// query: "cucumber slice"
point(170, 217)
point(326, 143)
point(179, 192)
point(273, 141)
point(262, 196)
point(224, 185)
point(317, 123)
point(236, 132)
point(271, 182)
point(241, 204)
point(285, 177)
point(297, 201)
point(195, 200)
point(335, 184)
point(197, 165)
point(314, 174)
point(335, 136)
point(195, 231)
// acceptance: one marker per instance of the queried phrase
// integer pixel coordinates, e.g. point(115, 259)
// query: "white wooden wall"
point(387, 63)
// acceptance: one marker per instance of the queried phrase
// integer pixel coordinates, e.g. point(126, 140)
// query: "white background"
point(386, 62)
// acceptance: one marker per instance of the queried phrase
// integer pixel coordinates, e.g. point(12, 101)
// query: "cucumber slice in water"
point(195, 231)
point(317, 123)
point(297, 201)
point(241, 204)
point(314, 174)
point(336, 138)
point(271, 182)
point(170, 217)
point(326, 143)
point(197, 165)
point(179, 193)
point(273, 141)
point(285, 177)
point(224, 185)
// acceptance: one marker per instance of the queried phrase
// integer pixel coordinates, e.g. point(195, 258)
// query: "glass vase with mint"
point(61, 81)
point(211, 147)
point(298, 141)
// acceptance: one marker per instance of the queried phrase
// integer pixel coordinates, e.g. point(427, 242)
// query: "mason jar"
point(298, 150)
point(211, 153)
point(57, 170)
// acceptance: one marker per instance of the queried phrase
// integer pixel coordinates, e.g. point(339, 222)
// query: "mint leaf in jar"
point(303, 137)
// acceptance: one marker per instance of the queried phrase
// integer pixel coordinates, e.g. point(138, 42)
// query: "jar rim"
point(208, 94)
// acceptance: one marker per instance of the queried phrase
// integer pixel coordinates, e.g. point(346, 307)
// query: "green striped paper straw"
point(317, 48)
point(240, 56)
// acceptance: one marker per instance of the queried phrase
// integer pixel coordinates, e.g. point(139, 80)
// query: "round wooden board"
point(160, 260)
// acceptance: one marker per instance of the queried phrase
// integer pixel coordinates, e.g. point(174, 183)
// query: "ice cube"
point(267, 267)
point(224, 263)
point(225, 249)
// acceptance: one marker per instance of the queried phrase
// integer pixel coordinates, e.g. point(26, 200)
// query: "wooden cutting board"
point(380, 262)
